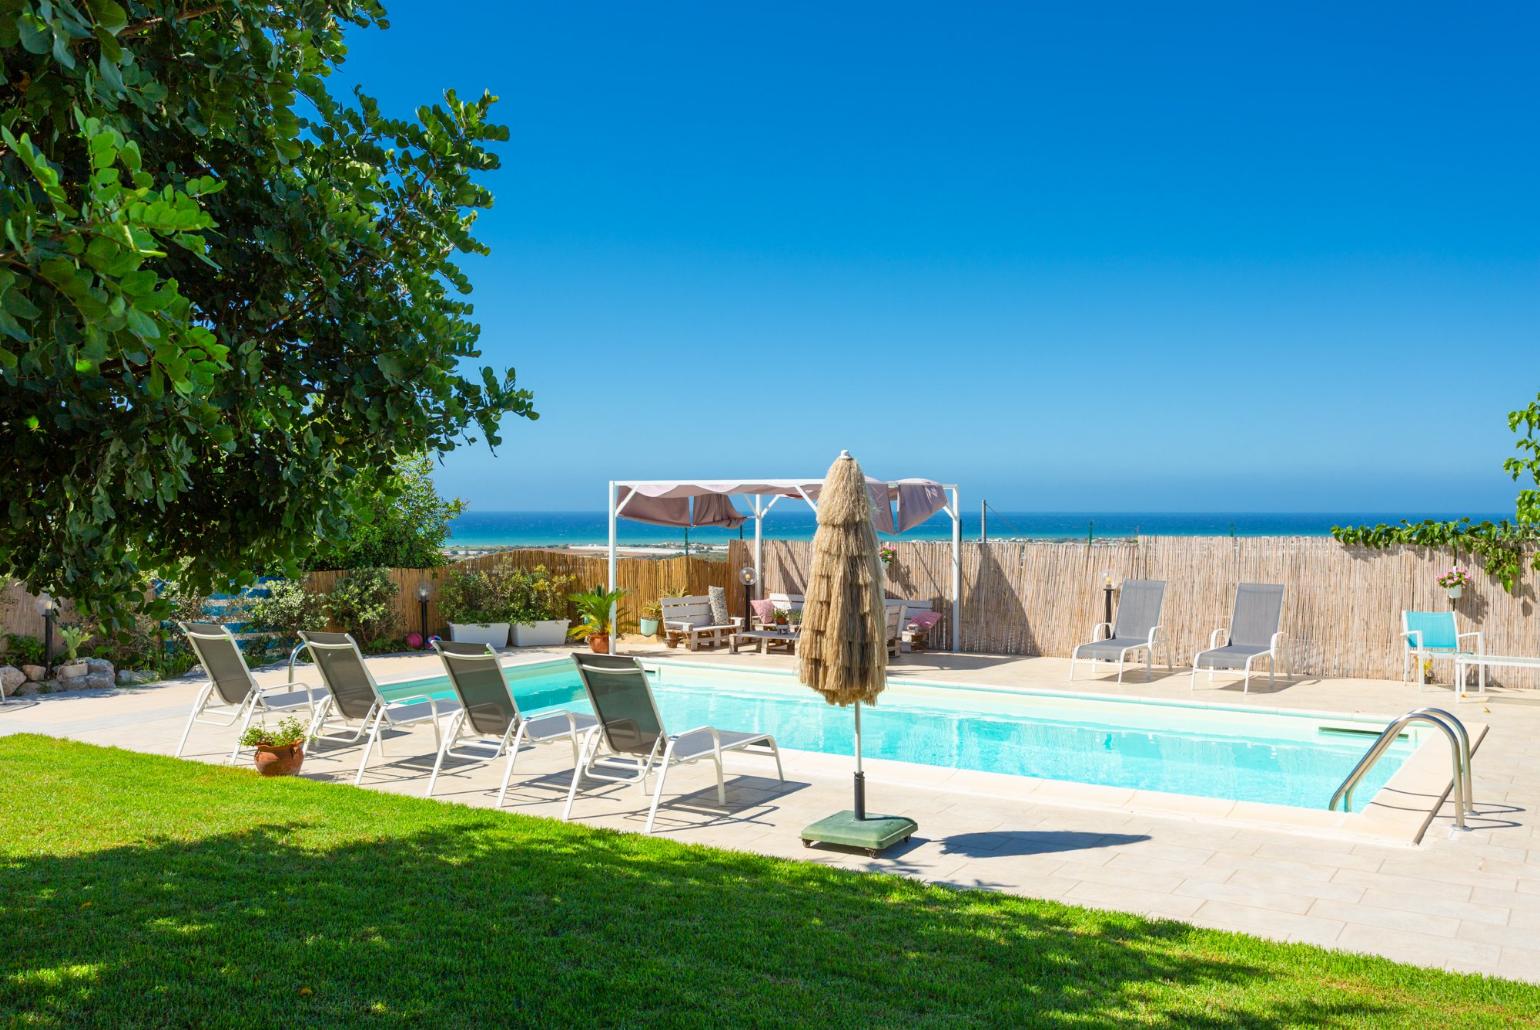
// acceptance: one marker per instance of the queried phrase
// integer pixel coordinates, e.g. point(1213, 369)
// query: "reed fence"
point(1342, 606)
point(1340, 618)
point(644, 580)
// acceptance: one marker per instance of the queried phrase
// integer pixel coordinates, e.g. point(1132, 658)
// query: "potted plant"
point(72, 637)
point(1455, 581)
point(593, 608)
point(652, 617)
point(887, 554)
point(280, 752)
point(780, 616)
point(537, 606)
point(468, 602)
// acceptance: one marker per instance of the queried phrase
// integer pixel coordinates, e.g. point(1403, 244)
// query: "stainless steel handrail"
point(294, 657)
point(1459, 751)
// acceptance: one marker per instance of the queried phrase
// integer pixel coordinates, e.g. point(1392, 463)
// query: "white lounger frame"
point(633, 769)
point(1103, 631)
point(256, 700)
point(376, 719)
point(1271, 654)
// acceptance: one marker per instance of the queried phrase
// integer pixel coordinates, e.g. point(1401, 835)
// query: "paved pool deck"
point(1466, 901)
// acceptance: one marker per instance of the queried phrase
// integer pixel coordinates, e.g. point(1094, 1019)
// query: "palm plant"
point(593, 608)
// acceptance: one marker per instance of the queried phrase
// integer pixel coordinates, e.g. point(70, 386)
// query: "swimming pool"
point(1216, 751)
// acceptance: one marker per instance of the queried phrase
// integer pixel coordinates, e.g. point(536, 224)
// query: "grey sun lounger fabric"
point(1258, 612)
point(1138, 612)
point(637, 742)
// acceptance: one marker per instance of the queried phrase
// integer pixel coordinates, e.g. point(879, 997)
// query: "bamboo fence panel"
point(643, 579)
point(1341, 614)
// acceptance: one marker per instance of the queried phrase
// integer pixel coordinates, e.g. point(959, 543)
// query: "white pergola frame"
point(765, 495)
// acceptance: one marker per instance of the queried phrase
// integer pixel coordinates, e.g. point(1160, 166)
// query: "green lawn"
point(149, 890)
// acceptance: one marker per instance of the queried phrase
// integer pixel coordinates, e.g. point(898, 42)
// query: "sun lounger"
point(1137, 629)
point(688, 619)
point(489, 722)
point(231, 689)
point(1253, 633)
point(354, 701)
point(630, 743)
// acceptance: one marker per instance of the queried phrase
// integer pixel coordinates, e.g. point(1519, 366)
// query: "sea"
point(491, 529)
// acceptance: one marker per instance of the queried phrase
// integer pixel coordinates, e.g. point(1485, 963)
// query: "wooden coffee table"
point(764, 638)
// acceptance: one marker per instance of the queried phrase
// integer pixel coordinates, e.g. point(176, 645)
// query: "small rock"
point(97, 681)
point(34, 672)
point(99, 665)
point(27, 689)
point(133, 677)
point(11, 678)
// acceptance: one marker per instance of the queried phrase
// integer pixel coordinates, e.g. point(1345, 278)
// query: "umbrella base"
point(873, 834)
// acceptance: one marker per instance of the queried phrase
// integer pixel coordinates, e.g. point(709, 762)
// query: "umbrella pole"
point(860, 776)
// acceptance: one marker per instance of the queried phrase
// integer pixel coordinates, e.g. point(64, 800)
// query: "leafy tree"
point(407, 523)
point(225, 295)
point(1504, 546)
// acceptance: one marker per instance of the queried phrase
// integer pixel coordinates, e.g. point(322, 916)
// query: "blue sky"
point(1078, 257)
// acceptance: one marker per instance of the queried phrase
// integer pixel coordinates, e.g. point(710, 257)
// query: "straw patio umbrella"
point(843, 648)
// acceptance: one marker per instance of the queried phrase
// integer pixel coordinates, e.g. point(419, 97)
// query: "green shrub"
point(364, 603)
point(21, 649)
point(534, 595)
point(287, 609)
point(469, 596)
point(290, 731)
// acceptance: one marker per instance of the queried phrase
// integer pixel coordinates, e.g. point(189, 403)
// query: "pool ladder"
point(1459, 749)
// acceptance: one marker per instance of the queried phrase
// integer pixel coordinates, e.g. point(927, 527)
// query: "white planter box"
point(494, 633)
point(548, 633)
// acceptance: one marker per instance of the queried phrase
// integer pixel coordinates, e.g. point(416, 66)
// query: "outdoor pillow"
point(764, 609)
point(924, 620)
point(717, 598)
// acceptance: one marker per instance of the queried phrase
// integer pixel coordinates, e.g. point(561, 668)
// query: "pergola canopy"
point(672, 502)
point(897, 505)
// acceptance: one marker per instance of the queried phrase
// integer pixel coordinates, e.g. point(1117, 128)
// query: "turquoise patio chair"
point(1431, 636)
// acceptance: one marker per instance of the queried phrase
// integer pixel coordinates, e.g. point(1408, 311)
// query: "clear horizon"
point(1110, 258)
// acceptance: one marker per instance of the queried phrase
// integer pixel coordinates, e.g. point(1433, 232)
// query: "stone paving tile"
point(1132, 899)
point(1265, 922)
point(1419, 949)
point(1251, 897)
point(1361, 913)
point(1437, 905)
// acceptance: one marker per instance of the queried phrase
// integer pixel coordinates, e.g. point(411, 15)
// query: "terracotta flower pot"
point(279, 761)
point(599, 643)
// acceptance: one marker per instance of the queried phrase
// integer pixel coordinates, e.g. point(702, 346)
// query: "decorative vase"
point(494, 633)
point(599, 643)
point(545, 633)
point(284, 760)
point(649, 627)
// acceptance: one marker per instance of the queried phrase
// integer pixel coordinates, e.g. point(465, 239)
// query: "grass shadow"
point(156, 891)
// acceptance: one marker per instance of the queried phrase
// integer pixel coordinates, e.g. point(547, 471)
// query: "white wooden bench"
point(688, 619)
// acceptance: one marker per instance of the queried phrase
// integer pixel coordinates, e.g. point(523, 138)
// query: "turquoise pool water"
point(1204, 750)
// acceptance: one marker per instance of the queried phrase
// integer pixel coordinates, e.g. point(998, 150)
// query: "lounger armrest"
point(1154, 632)
point(414, 699)
point(310, 690)
point(1413, 638)
point(1214, 637)
point(1480, 639)
point(1272, 645)
point(1101, 631)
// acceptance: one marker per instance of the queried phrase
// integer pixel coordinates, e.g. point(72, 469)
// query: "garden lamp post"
point(1107, 599)
point(422, 610)
point(748, 577)
point(49, 610)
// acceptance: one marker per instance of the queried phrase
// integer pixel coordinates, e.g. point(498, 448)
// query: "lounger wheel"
point(807, 844)
point(871, 852)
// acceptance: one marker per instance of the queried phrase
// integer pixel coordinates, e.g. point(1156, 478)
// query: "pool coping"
point(1399, 813)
